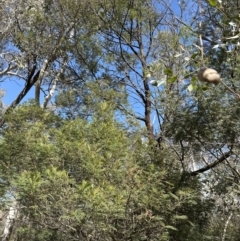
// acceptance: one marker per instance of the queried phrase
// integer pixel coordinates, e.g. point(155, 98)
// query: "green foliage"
point(84, 102)
point(86, 169)
point(84, 179)
point(213, 3)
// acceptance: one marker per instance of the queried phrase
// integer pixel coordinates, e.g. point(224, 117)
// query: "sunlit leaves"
point(213, 3)
point(191, 87)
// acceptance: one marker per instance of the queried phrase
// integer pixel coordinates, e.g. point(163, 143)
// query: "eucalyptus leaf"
point(213, 3)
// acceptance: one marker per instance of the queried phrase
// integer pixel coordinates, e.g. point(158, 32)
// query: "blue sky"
point(12, 90)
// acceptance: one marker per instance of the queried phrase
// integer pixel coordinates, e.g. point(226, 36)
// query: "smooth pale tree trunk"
point(54, 85)
point(10, 220)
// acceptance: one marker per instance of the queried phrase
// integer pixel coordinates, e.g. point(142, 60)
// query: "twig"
point(225, 227)
point(232, 91)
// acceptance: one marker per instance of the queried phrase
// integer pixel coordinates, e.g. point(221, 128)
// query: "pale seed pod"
point(209, 75)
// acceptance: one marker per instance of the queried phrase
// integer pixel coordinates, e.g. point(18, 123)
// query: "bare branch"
point(7, 69)
point(203, 37)
point(213, 164)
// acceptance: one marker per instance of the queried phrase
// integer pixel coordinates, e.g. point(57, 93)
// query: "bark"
point(10, 220)
point(31, 80)
point(39, 80)
point(147, 99)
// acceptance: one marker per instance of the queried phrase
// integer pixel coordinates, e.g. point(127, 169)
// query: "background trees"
point(121, 141)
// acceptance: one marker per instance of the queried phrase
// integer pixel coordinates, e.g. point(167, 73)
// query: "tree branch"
point(215, 163)
point(203, 37)
point(54, 85)
point(29, 83)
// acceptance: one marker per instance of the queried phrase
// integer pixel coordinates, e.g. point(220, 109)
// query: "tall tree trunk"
point(10, 220)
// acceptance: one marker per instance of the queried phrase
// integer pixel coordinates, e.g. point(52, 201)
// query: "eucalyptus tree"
point(153, 54)
point(191, 116)
point(37, 43)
